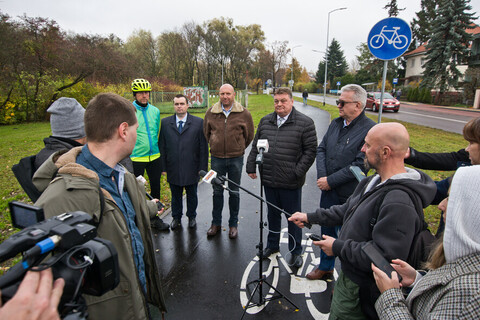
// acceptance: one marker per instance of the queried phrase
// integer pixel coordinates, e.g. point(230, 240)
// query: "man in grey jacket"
point(292, 142)
point(392, 232)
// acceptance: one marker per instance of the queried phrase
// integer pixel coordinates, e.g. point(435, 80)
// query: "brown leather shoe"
point(233, 233)
point(213, 230)
point(318, 274)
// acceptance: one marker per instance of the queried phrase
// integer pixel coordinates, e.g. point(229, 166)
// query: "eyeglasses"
point(342, 103)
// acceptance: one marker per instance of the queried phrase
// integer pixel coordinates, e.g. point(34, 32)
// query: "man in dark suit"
point(184, 152)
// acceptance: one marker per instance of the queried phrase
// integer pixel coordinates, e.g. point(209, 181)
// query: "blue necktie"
point(180, 126)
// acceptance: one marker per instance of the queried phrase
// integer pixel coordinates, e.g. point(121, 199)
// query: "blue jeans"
point(327, 263)
point(290, 201)
point(232, 169)
point(304, 100)
point(328, 199)
point(177, 200)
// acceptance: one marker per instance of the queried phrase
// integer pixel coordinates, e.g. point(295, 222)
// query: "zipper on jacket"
point(147, 127)
point(225, 139)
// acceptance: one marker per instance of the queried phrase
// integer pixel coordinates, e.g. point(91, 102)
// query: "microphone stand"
point(261, 280)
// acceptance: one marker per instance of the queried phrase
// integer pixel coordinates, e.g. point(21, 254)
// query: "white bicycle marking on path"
point(299, 284)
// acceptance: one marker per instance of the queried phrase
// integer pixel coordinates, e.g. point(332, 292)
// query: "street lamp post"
point(291, 76)
point(326, 56)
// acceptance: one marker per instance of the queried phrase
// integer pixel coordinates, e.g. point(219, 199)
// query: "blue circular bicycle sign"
point(389, 38)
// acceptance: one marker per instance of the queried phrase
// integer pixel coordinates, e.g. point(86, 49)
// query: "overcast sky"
point(302, 23)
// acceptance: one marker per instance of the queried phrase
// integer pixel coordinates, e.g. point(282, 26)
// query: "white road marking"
point(425, 115)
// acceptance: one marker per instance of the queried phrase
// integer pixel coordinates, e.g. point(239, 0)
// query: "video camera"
point(88, 264)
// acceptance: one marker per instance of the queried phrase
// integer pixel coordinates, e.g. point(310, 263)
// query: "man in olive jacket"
point(228, 128)
point(292, 142)
point(83, 172)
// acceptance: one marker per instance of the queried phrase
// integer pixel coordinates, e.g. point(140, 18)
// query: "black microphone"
point(259, 158)
point(211, 177)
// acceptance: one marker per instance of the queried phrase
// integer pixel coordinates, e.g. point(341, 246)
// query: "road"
point(448, 119)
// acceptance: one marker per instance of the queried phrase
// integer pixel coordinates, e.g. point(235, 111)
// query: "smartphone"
point(315, 237)
point(378, 260)
point(160, 205)
point(358, 173)
point(24, 215)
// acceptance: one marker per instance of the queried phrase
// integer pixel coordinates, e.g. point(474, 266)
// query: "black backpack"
point(423, 241)
point(24, 171)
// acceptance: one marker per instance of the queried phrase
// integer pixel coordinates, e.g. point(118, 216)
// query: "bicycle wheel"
point(376, 41)
point(400, 42)
point(271, 273)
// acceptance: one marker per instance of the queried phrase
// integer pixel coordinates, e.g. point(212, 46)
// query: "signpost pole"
point(388, 39)
point(384, 78)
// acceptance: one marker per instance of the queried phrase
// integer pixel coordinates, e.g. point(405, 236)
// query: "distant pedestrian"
point(184, 152)
point(399, 94)
point(305, 96)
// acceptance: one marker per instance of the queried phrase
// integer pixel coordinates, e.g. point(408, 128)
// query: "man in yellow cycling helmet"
point(146, 154)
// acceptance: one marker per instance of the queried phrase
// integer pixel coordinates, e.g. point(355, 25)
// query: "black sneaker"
point(192, 223)
point(157, 223)
point(296, 261)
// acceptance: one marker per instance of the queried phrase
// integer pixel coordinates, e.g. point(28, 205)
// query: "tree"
point(191, 46)
point(42, 48)
point(230, 49)
point(274, 59)
point(320, 75)
point(371, 68)
point(337, 64)
point(421, 24)
point(304, 77)
point(172, 50)
point(143, 49)
point(448, 46)
point(297, 71)
point(392, 8)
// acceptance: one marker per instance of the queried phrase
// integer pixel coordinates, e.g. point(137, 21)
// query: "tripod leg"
point(280, 295)
point(259, 283)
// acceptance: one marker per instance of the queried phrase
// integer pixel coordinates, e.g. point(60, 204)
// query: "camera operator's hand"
point(37, 298)
point(159, 212)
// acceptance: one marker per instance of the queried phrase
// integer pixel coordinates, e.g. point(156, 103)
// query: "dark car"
point(389, 102)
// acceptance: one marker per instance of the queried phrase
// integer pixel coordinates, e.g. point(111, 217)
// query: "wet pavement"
point(205, 278)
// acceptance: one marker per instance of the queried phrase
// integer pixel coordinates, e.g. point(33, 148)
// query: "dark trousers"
point(177, 200)
point(154, 171)
point(232, 169)
point(290, 201)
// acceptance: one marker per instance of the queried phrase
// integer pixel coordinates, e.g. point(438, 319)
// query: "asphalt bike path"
point(205, 278)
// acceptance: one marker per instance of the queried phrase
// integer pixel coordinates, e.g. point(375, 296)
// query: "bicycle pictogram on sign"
point(399, 41)
point(389, 38)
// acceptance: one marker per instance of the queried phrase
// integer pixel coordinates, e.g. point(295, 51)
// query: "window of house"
point(412, 64)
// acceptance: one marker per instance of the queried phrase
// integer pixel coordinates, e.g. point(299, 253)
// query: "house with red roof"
point(416, 58)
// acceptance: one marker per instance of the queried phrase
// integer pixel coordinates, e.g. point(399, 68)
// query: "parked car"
point(389, 102)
